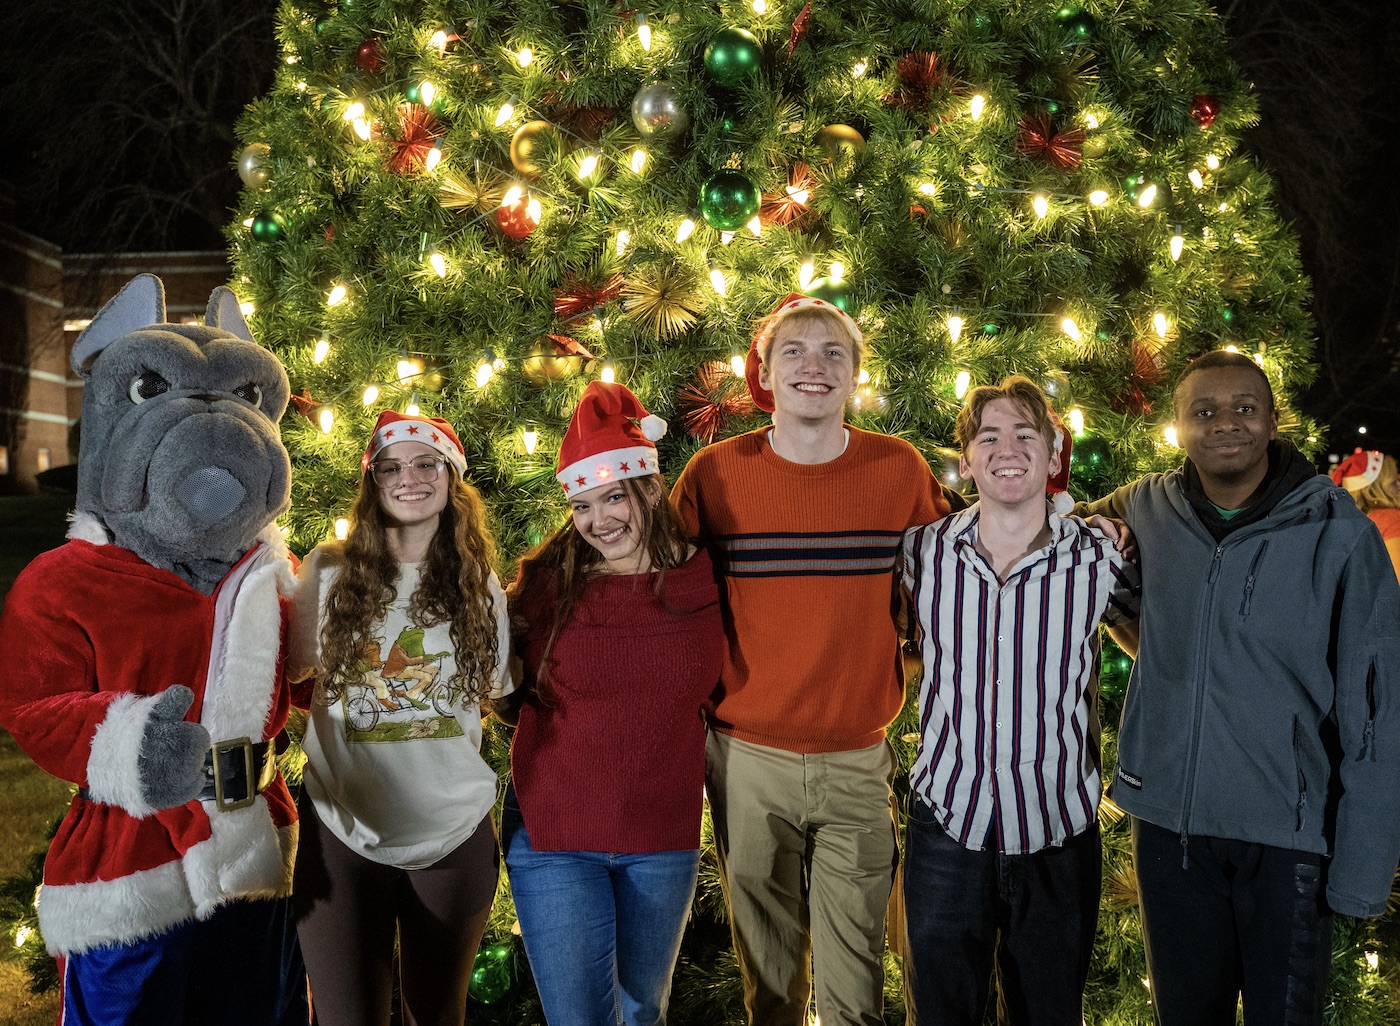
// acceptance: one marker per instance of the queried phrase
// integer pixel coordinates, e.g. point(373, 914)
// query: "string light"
point(371, 395)
point(247, 222)
point(484, 373)
point(686, 229)
point(413, 409)
point(1232, 348)
point(955, 327)
point(860, 68)
point(1373, 959)
point(1159, 323)
point(639, 160)
point(1041, 206)
point(759, 6)
point(962, 383)
point(1213, 162)
point(644, 32)
point(323, 349)
point(755, 225)
point(718, 281)
point(438, 262)
point(1196, 180)
point(439, 40)
point(434, 157)
point(976, 106)
point(838, 270)
point(524, 56)
point(326, 418)
point(805, 274)
point(337, 295)
point(1147, 196)
point(531, 438)
point(738, 364)
point(1091, 120)
point(798, 195)
point(22, 935)
point(1071, 329)
point(725, 238)
point(624, 237)
point(1098, 197)
point(355, 110)
point(863, 378)
point(927, 189)
point(607, 374)
point(427, 92)
point(587, 165)
point(342, 528)
point(1075, 417)
point(1177, 244)
point(506, 112)
point(1169, 434)
point(407, 369)
point(247, 309)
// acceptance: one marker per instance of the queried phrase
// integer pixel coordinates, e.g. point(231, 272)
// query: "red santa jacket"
point(92, 634)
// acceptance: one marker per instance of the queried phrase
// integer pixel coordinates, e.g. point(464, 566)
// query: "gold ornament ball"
point(834, 138)
point(529, 143)
point(544, 363)
point(252, 165)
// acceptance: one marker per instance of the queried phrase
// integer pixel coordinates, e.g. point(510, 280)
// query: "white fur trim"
point(77, 917)
point(606, 467)
point(113, 775)
point(1061, 502)
point(653, 427)
point(243, 661)
point(84, 526)
point(244, 857)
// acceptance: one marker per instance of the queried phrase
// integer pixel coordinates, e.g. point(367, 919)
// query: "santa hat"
point(393, 426)
point(1057, 487)
point(1359, 470)
point(610, 437)
point(762, 397)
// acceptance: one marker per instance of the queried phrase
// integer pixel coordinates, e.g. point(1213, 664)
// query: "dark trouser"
point(1240, 918)
point(1044, 905)
point(349, 907)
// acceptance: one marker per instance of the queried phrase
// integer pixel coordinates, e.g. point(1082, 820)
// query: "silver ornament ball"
point(657, 110)
point(252, 165)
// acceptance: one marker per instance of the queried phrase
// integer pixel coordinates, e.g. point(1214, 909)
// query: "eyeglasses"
point(390, 472)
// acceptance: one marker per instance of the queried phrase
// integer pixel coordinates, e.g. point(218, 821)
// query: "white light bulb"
point(434, 157)
point(759, 6)
point(342, 529)
point(927, 189)
point(524, 56)
point(644, 32)
point(587, 165)
point(1091, 121)
point(1169, 433)
point(371, 395)
point(1159, 324)
point(439, 40)
point(976, 106)
point(686, 229)
point(1177, 244)
point(363, 129)
point(607, 374)
point(1070, 328)
point(805, 274)
point(427, 92)
point(1041, 206)
point(1196, 179)
point(838, 270)
point(412, 409)
point(1213, 162)
point(531, 438)
point(1373, 960)
point(624, 237)
point(955, 327)
point(1146, 197)
point(962, 383)
point(1232, 348)
point(407, 369)
point(246, 309)
point(327, 419)
point(738, 365)
point(483, 374)
point(863, 378)
point(639, 160)
point(755, 225)
point(1098, 197)
point(438, 263)
point(1075, 417)
point(860, 68)
point(533, 210)
point(717, 280)
point(355, 110)
point(323, 349)
point(506, 112)
point(512, 196)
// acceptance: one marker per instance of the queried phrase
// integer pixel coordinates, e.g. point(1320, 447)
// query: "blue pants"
point(602, 931)
point(241, 965)
point(1044, 905)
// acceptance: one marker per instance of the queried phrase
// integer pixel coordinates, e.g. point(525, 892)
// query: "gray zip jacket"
point(1263, 705)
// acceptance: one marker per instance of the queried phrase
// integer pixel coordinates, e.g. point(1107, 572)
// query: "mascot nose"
point(210, 494)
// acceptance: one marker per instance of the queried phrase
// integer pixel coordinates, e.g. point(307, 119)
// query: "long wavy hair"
point(452, 588)
point(573, 561)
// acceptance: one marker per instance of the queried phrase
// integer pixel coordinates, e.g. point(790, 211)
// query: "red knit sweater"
point(618, 764)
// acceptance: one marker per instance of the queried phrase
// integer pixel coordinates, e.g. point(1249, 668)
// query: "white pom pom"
point(1062, 502)
point(653, 427)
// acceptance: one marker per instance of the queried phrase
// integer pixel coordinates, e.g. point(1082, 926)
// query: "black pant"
point(1239, 918)
point(1045, 906)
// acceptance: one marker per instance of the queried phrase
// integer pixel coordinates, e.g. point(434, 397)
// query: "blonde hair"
point(768, 330)
point(1380, 493)
point(1021, 391)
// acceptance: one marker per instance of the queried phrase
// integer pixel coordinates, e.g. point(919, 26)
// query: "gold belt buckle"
point(252, 781)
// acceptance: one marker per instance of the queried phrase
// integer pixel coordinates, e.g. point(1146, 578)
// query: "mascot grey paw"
point(171, 757)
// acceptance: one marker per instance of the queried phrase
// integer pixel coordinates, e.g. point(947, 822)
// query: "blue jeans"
point(602, 930)
point(1045, 906)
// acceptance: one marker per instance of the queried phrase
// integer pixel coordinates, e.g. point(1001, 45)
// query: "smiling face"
point(608, 519)
point(1225, 421)
point(810, 369)
point(1008, 457)
point(414, 498)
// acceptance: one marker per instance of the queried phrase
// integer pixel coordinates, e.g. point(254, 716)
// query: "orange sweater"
point(807, 558)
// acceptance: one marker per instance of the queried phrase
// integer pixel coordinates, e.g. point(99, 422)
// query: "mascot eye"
point(147, 385)
point(249, 393)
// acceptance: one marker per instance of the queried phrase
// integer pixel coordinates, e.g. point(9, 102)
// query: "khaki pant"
point(807, 856)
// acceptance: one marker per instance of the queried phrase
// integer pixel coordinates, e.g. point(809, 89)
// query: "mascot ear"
point(139, 304)
point(224, 314)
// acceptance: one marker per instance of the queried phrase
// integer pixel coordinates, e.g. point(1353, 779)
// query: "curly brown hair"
point(568, 554)
point(452, 588)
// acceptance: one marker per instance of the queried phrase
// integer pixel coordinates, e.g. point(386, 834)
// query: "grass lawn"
point(29, 797)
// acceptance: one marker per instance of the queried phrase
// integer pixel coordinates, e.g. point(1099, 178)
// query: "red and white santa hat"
point(610, 437)
point(1359, 470)
point(794, 301)
point(1057, 487)
point(393, 426)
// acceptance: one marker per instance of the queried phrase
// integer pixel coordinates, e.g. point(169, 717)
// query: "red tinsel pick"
point(1204, 107)
point(717, 397)
point(418, 130)
point(1132, 400)
point(1060, 149)
point(799, 26)
point(585, 122)
point(574, 298)
point(921, 75)
point(567, 345)
point(304, 403)
point(1147, 369)
point(785, 207)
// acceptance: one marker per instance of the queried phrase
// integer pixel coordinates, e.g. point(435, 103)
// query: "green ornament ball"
point(1090, 452)
point(1114, 673)
point(836, 291)
point(1227, 314)
point(266, 228)
point(728, 200)
point(1077, 21)
point(990, 329)
point(491, 974)
point(732, 56)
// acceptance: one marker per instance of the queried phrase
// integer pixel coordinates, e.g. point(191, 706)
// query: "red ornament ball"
point(515, 219)
point(368, 56)
point(1204, 107)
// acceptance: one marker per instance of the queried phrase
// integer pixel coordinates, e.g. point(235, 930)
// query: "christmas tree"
point(472, 207)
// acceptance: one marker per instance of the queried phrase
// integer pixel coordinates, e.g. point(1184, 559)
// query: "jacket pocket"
point(1368, 732)
point(1301, 808)
point(1248, 600)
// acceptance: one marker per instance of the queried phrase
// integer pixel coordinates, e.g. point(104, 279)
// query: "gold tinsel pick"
point(663, 299)
point(1121, 885)
point(475, 193)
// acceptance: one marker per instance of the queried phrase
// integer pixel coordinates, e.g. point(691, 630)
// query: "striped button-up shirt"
point(1008, 714)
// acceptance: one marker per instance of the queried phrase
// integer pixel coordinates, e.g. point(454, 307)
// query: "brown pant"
point(348, 908)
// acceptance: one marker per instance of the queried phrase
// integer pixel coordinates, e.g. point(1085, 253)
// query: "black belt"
point(235, 772)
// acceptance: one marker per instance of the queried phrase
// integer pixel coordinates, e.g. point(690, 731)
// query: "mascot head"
point(181, 460)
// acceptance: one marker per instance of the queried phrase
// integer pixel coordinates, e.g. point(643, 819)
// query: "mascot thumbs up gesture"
point(145, 665)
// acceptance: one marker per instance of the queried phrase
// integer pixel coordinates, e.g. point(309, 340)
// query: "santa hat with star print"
point(1359, 470)
point(1057, 487)
point(793, 302)
point(393, 426)
point(611, 437)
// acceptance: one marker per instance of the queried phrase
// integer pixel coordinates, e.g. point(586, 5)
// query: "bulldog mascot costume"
point(144, 664)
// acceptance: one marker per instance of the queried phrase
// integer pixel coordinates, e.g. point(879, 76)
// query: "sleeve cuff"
point(113, 773)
